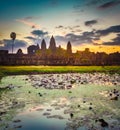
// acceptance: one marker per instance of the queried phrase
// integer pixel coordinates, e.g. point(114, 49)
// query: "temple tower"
point(69, 48)
point(52, 46)
point(43, 45)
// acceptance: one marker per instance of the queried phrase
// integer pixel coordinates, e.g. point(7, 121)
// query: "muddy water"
point(24, 109)
point(39, 119)
point(27, 105)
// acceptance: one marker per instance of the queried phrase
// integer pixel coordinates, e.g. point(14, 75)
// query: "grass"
point(20, 70)
point(11, 70)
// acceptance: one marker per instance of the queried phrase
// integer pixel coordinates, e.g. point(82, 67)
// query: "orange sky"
point(86, 24)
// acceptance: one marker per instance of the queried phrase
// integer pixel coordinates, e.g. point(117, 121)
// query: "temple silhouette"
point(54, 55)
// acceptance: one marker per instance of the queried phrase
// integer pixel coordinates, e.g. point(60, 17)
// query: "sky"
point(93, 24)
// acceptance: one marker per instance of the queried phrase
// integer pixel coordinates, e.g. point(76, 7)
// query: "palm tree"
point(13, 36)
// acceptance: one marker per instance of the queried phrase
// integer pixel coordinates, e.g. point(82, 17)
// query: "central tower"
point(52, 46)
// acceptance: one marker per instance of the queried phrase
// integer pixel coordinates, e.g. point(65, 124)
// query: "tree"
point(13, 36)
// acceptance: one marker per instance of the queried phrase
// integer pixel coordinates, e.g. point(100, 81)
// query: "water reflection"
point(28, 106)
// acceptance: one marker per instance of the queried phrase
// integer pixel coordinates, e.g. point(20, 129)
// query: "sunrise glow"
point(87, 24)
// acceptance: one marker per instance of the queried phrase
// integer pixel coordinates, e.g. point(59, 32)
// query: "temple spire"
point(69, 48)
point(52, 46)
point(43, 45)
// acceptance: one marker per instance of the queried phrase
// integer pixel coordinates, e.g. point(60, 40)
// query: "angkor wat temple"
point(57, 56)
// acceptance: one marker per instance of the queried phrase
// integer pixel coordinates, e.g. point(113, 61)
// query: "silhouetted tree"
point(13, 36)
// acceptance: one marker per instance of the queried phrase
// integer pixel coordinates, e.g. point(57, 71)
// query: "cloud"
point(0, 34)
point(60, 26)
point(54, 3)
point(78, 9)
point(77, 6)
point(30, 38)
point(112, 29)
point(7, 44)
point(91, 22)
point(93, 2)
point(33, 40)
point(77, 26)
point(39, 33)
point(109, 4)
point(85, 37)
point(28, 23)
point(74, 29)
point(31, 17)
point(115, 41)
point(91, 37)
point(60, 38)
point(68, 27)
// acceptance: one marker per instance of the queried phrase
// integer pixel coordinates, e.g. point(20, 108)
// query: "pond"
point(70, 101)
